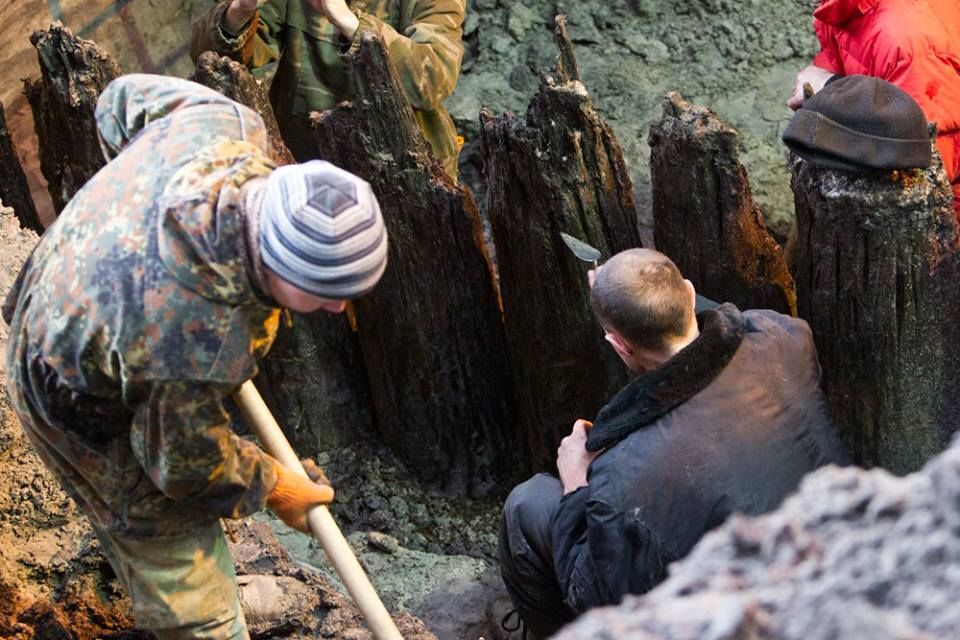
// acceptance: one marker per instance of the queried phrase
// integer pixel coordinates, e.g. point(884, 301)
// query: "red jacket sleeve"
point(829, 57)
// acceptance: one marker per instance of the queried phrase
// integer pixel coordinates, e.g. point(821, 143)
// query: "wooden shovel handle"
point(324, 528)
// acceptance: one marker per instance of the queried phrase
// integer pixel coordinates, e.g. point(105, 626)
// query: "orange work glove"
point(294, 494)
point(314, 472)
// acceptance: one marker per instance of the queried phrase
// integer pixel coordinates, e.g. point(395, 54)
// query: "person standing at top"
point(306, 39)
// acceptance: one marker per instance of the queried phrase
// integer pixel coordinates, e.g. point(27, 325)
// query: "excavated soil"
point(854, 554)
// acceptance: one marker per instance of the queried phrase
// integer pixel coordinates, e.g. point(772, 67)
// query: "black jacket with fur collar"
point(729, 424)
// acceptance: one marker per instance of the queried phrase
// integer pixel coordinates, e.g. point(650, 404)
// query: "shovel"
point(591, 254)
point(324, 529)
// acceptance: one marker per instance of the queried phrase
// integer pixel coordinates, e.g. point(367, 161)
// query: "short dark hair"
point(641, 295)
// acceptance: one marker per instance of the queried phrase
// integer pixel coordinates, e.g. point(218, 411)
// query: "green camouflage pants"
point(172, 560)
point(181, 586)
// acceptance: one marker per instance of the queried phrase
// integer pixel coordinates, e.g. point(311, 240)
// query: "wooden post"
point(233, 80)
point(559, 169)
point(877, 280)
point(705, 219)
point(313, 378)
point(73, 74)
point(431, 332)
point(14, 190)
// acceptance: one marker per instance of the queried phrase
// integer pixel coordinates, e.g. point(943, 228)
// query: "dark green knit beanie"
point(858, 123)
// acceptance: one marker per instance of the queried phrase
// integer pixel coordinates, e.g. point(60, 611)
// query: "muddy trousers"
point(526, 556)
point(181, 586)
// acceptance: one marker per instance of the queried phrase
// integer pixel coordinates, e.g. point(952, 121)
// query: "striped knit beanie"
point(321, 230)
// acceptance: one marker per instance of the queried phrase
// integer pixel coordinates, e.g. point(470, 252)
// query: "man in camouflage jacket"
point(305, 40)
point(145, 305)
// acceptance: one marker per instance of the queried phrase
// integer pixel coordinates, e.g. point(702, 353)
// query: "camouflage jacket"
point(135, 316)
point(423, 40)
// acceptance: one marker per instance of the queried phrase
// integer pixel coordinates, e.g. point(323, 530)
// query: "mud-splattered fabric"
point(424, 42)
point(183, 587)
point(135, 317)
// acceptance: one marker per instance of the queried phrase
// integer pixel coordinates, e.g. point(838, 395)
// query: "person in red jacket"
point(913, 44)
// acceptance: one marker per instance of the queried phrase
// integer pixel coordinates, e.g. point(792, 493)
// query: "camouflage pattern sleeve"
point(181, 436)
point(256, 46)
point(133, 101)
point(427, 54)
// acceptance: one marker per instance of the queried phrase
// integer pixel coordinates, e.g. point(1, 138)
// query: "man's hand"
point(339, 14)
point(238, 14)
point(573, 457)
point(592, 275)
point(293, 494)
point(813, 75)
point(247, 6)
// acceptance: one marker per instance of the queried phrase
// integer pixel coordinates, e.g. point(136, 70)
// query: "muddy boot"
point(275, 603)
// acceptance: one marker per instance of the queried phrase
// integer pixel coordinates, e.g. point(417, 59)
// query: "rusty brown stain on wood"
point(705, 218)
point(877, 279)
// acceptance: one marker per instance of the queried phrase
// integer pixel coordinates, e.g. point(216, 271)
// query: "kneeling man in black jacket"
point(725, 415)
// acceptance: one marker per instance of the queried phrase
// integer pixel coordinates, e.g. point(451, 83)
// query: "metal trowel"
point(581, 249)
point(591, 254)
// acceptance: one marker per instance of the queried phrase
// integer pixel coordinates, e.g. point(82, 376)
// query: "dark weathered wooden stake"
point(877, 280)
point(233, 80)
point(73, 74)
point(566, 69)
point(14, 190)
point(431, 332)
point(558, 169)
point(705, 219)
point(313, 379)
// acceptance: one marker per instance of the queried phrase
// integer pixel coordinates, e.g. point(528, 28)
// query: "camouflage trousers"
point(181, 579)
point(181, 586)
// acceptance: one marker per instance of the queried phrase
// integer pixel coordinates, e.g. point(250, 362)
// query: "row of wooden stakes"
point(471, 371)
